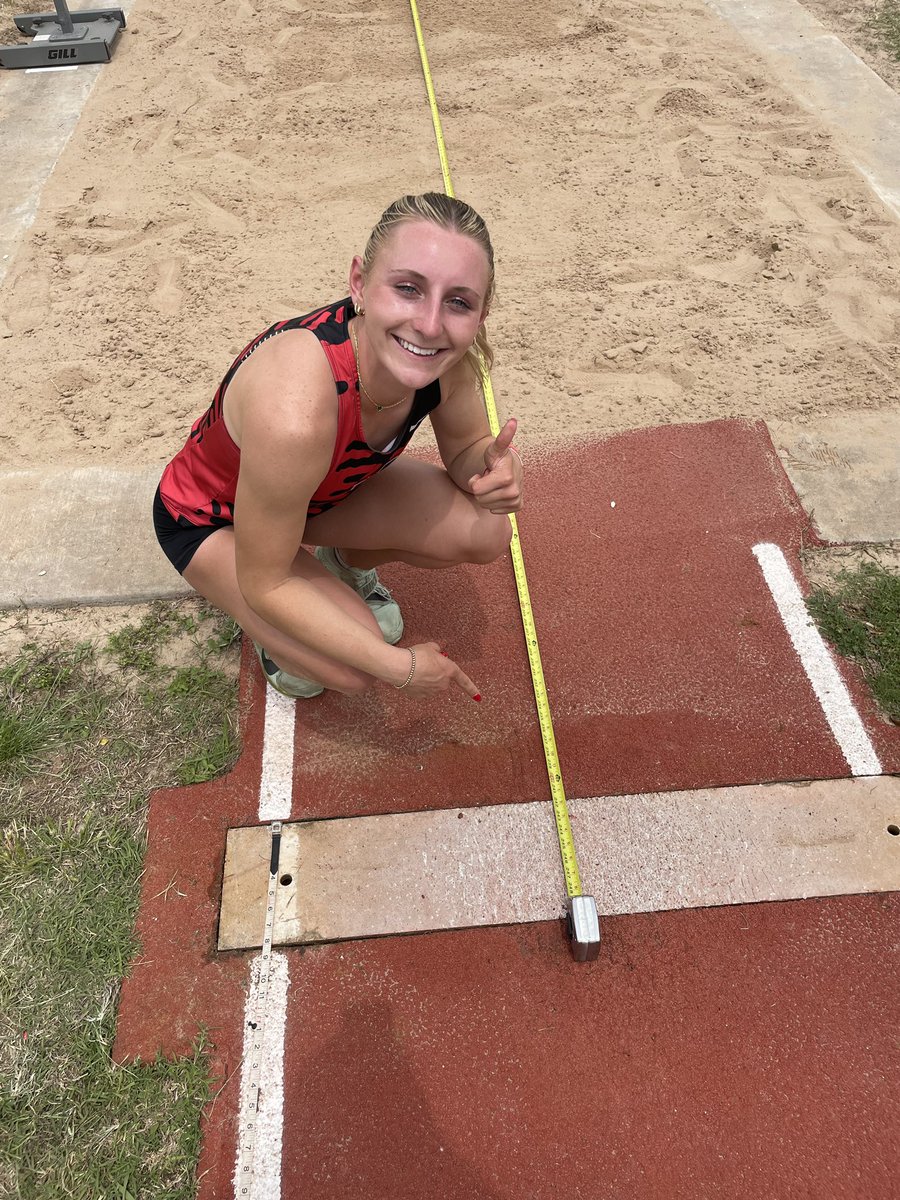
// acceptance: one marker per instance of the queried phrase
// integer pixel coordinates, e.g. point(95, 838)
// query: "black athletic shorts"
point(179, 539)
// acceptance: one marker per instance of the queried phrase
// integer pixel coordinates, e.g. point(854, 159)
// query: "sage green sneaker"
point(288, 685)
point(385, 608)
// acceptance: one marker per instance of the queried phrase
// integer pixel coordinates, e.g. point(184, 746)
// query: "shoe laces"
point(367, 585)
point(379, 592)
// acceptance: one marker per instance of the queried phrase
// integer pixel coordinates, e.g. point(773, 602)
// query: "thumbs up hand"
point(499, 487)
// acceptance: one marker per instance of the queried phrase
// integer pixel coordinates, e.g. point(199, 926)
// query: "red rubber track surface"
point(709, 1053)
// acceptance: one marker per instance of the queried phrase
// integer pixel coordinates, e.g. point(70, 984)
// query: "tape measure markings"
point(545, 719)
point(432, 101)
point(249, 1172)
point(277, 766)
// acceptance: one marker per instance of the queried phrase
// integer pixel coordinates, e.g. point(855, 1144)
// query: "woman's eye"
point(458, 302)
point(406, 288)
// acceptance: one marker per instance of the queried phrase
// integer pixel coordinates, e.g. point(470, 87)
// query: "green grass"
point(105, 728)
point(19, 738)
point(140, 645)
point(85, 733)
point(885, 24)
point(210, 761)
point(860, 616)
point(74, 1123)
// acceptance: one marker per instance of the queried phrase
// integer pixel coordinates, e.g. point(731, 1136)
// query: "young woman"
point(293, 446)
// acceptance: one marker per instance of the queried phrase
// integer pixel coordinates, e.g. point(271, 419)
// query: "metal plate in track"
point(363, 877)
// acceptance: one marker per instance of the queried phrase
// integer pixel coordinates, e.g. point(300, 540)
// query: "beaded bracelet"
point(412, 669)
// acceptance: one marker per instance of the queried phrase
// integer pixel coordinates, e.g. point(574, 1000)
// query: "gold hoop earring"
point(359, 310)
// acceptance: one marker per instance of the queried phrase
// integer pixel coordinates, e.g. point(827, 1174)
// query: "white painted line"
point(266, 1183)
point(275, 787)
point(277, 779)
point(830, 689)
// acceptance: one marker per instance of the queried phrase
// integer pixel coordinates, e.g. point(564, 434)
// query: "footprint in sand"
point(741, 269)
point(860, 310)
point(167, 296)
point(824, 231)
point(220, 219)
point(28, 307)
point(107, 235)
point(161, 139)
point(72, 380)
point(855, 318)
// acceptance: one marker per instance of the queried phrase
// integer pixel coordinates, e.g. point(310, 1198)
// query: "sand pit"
point(676, 239)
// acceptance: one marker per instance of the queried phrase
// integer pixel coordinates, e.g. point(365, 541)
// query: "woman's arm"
point(285, 416)
point(476, 461)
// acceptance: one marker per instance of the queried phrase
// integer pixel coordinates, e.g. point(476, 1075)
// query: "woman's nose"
point(428, 319)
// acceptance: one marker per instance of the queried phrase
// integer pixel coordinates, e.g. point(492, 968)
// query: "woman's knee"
point(489, 539)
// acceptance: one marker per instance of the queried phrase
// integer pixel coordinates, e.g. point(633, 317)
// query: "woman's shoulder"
point(326, 325)
point(287, 365)
point(331, 323)
point(287, 384)
point(298, 342)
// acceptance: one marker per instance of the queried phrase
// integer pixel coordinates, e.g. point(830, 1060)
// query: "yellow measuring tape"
point(554, 772)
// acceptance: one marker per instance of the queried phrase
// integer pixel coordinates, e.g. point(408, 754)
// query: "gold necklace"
point(362, 386)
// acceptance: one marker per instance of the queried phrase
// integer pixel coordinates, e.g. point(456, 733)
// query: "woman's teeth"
point(417, 349)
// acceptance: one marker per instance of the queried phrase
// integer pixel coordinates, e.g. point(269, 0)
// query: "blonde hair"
point(448, 213)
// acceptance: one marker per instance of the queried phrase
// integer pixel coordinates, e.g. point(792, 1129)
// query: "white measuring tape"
point(250, 1112)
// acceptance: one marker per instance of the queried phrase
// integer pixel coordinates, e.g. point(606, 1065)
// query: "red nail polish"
point(476, 697)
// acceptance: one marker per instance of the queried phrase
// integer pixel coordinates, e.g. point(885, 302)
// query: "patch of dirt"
point(9, 35)
point(822, 565)
point(852, 22)
point(48, 627)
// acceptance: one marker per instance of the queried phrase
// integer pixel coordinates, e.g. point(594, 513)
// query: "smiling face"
point(424, 298)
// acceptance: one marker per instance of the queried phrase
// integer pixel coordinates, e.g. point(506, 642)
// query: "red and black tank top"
point(199, 484)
